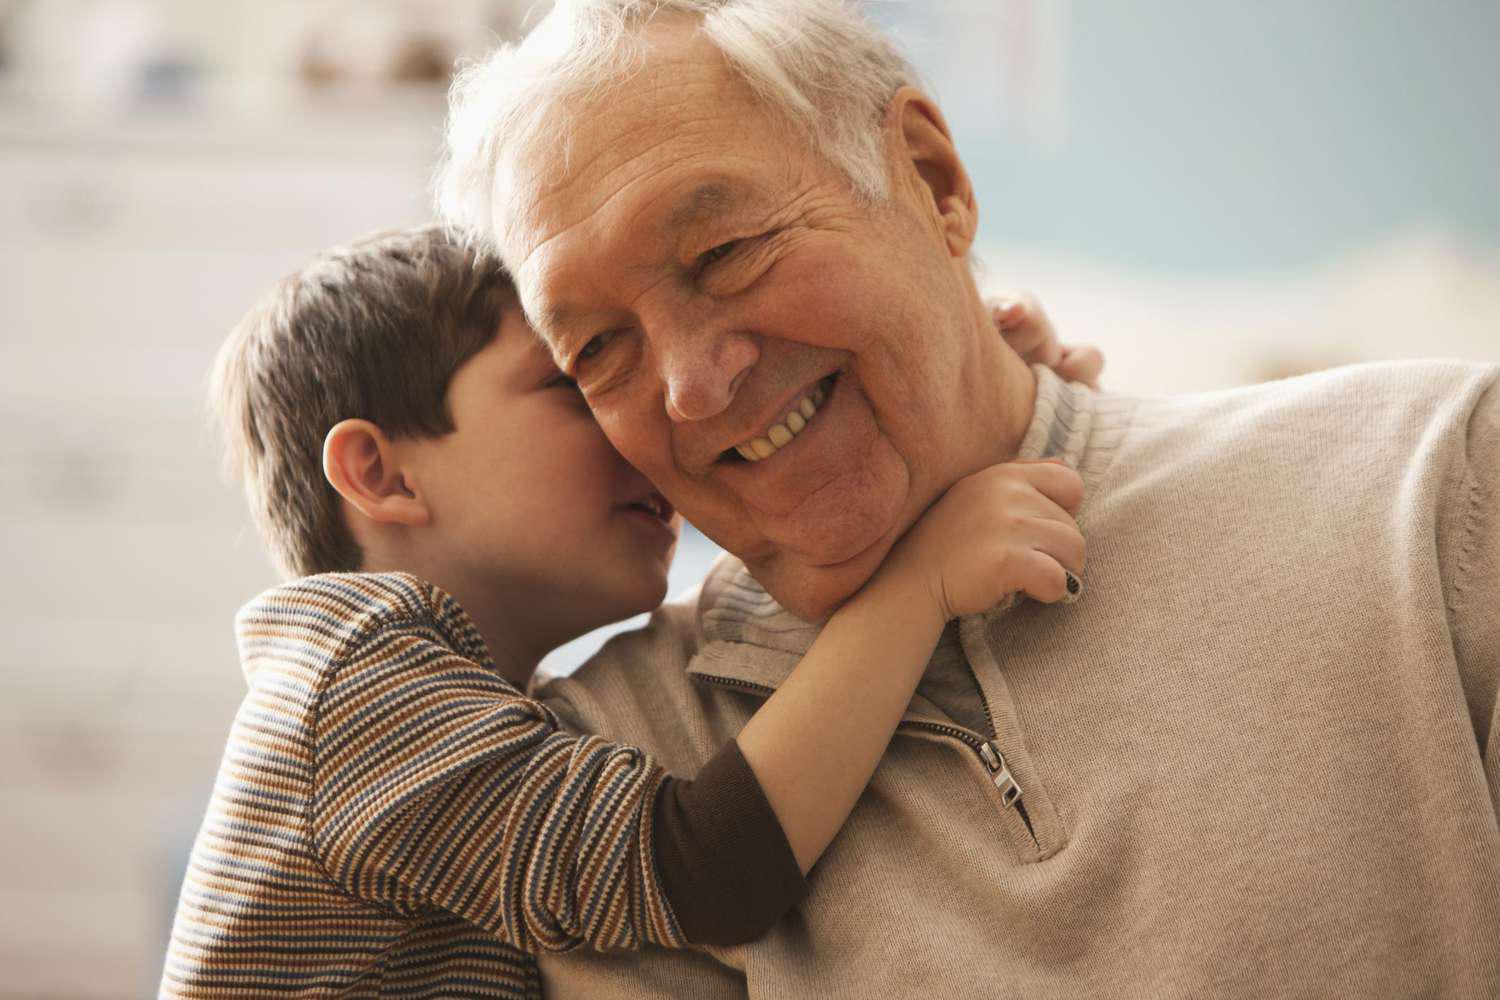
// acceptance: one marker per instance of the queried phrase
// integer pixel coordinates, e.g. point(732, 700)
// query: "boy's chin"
point(635, 596)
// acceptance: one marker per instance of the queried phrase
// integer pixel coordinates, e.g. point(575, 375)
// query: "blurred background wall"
point(1215, 193)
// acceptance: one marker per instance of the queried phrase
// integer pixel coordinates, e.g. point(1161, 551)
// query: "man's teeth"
point(780, 435)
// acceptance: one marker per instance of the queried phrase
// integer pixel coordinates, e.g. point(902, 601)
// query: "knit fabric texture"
point(394, 818)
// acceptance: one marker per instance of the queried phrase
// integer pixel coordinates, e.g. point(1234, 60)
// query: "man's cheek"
point(624, 432)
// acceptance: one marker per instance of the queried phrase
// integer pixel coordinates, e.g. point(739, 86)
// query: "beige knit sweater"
point(1260, 758)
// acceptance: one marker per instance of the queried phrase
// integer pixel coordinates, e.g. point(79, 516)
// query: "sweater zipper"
point(993, 760)
point(987, 751)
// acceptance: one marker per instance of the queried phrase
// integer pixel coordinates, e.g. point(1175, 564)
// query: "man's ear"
point(361, 464)
point(917, 125)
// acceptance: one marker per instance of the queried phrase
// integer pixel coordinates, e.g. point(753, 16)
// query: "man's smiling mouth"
point(792, 423)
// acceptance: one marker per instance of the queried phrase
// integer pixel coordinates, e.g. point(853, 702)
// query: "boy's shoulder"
point(326, 618)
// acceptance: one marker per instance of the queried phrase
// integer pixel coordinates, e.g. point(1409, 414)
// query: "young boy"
point(393, 816)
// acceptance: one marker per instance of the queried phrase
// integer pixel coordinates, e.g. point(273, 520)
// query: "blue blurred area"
point(1215, 137)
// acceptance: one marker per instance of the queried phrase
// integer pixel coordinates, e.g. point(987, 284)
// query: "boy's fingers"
point(1042, 507)
point(1062, 541)
point(1023, 337)
point(1025, 326)
point(1046, 579)
point(1056, 482)
point(1023, 306)
point(1039, 342)
point(1006, 310)
point(1081, 364)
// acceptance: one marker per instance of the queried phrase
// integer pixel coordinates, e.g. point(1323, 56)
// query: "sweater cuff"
point(724, 861)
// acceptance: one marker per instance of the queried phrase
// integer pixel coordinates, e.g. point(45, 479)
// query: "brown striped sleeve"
point(437, 783)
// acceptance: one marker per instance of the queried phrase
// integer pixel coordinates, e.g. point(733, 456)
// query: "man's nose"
point(701, 374)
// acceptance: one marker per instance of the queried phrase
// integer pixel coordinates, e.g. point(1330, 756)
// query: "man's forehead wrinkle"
point(538, 275)
point(643, 113)
point(615, 166)
point(621, 130)
point(651, 159)
point(674, 97)
point(549, 267)
point(625, 213)
point(615, 218)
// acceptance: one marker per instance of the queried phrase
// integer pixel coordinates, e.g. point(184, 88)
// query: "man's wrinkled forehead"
point(644, 162)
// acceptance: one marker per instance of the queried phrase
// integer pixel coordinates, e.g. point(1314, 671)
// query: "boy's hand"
point(1026, 328)
point(1005, 529)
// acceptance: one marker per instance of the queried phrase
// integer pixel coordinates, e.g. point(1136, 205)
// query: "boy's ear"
point(360, 463)
point(916, 123)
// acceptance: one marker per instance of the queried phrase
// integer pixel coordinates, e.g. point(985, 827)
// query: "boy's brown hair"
point(374, 330)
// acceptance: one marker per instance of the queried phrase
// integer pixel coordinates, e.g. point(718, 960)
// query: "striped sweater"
point(393, 818)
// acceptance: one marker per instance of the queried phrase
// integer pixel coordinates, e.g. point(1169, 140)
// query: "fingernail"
point(1075, 588)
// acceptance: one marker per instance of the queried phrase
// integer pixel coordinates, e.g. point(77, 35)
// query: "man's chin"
point(813, 591)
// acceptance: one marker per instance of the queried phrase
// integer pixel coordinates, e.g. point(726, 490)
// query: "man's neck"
point(1000, 390)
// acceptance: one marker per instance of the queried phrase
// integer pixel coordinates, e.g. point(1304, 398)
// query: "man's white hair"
point(818, 65)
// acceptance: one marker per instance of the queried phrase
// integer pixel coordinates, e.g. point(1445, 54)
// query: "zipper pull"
point(994, 760)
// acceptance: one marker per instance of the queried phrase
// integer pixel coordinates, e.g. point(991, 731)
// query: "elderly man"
point(1259, 758)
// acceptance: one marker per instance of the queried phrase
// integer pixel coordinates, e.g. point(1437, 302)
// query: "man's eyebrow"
point(550, 320)
point(704, 202)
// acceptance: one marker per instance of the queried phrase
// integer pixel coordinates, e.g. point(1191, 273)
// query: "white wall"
point(126, 253)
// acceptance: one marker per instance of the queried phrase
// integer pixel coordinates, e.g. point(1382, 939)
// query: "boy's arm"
point(437, 783)
point(734, 844)
point(816, 741)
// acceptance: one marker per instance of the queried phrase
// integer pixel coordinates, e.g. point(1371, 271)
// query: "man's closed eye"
point(718, 253)
point(595, 346)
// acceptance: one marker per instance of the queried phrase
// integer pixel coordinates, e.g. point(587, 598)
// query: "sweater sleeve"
point(1473, 553)
point(436, 783)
